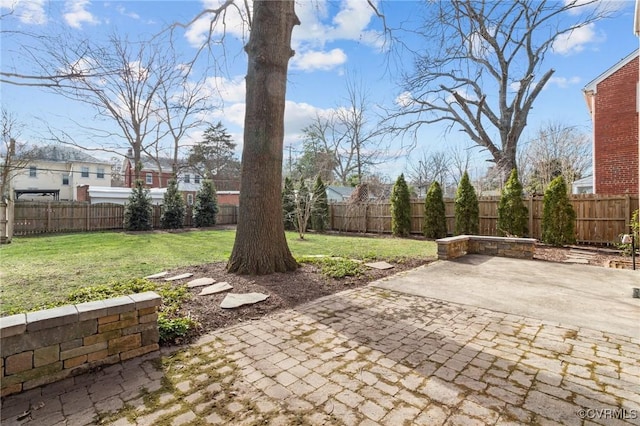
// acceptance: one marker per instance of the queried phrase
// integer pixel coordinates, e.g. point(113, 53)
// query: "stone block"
point(45, 379)
point(152, 317)
point(128, 315)
point(75, 343)
point(74, 362)
point(102, 337)
point(139, 328)
point(13, 325)
point(147, 311)
point(51, 318)
point(19, 362)
point(150, 336)
point(34, 373)
point(139, 351)
point(83, 350)
point(10, 389)
point(118, 305)
point(97, 356)
point(109, 318)
point(146, 300)
point(91, 310)
point(46, 355)
point(103, 328)
point(124, 343)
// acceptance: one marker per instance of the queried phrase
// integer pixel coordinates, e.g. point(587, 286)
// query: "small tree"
point(173, 209)
point(206, 205)
point(400, 208)
point(320, 211)
point(466, 208)
point(304, 201)
point(435, 221)
point(288, 205)
point(138, 211)
point(512, 213)
point(558, 216)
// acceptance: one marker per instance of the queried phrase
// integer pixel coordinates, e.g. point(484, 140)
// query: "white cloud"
point(318, 60)
point(28, 12)
point(122, 11)
point(564, 82)
point(404, 99)
point(76, 13)
point(575, 41)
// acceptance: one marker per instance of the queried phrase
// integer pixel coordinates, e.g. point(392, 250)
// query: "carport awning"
point(55, 193)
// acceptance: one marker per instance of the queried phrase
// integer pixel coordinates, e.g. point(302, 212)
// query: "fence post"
point(627, 211)
point(48, 229)
point(531, 216)
point(88, 226)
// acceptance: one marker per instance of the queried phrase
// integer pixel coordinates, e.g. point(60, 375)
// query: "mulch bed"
point(306, 284)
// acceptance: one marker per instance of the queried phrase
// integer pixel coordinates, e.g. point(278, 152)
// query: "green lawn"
point(39, 270)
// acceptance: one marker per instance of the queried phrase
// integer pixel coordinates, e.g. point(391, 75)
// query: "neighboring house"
point(582, 186)
point(54, 171)
point(158, 176)
point(338, 194)
point(612, 99)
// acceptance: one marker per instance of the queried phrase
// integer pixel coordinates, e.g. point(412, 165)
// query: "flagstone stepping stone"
point(158, 275)
point(379, 265)
point(179, 277)
point(233, 300)
point(216, 288)
point(199, 282)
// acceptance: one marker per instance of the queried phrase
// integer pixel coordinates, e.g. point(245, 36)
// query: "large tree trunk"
point(260, 246)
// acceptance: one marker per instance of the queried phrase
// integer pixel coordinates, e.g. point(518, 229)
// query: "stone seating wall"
point(50, 345)
point(453, 247)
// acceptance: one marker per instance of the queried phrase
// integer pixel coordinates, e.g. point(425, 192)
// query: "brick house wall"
point(615, 121)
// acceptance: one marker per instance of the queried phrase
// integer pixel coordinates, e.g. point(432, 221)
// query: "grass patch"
point(334, 267)
point(45, 270)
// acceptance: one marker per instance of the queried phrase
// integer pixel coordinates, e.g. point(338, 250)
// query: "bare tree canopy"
point(556, 150)
point(481, 67)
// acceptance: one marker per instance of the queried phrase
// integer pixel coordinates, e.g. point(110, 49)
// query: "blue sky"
point(336, 39)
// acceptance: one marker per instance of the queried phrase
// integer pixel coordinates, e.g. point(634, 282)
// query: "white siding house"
point(55, 171)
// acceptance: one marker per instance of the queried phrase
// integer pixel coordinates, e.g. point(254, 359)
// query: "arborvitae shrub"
point(205, 209)
point(435, 221)
point(466, 208)
point(288, 205)
point(320, 212)
point(138, 213)
point(558, 216)
point(173, 209)
point(400, 208)
point(512, 213)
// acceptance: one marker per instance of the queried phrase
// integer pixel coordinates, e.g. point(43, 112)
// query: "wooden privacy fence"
point(600, 218)
point(32, 218)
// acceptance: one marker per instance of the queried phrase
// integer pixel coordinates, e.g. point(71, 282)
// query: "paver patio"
point(363, 357)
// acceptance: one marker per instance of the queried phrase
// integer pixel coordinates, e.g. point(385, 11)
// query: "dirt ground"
point(307, 283)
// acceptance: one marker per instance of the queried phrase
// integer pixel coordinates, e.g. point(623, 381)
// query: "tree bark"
point(260, 246)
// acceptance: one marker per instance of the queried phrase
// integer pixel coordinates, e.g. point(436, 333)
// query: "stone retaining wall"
point(46, 346)
point(453, 247)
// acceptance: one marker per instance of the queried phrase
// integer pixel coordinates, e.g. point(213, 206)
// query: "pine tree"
point(206, 205)
point(138, 213)
point(466, 208)
point(173, 209)
point(288, 205)
point(512, 213)
point(558, 216)
point(400, 208)
point(435, 221)
point(320, 212)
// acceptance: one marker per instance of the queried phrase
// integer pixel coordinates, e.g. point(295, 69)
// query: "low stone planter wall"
point(453, 247)
point(46, 346)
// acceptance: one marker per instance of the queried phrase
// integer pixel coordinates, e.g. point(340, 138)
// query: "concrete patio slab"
point(585, 296)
